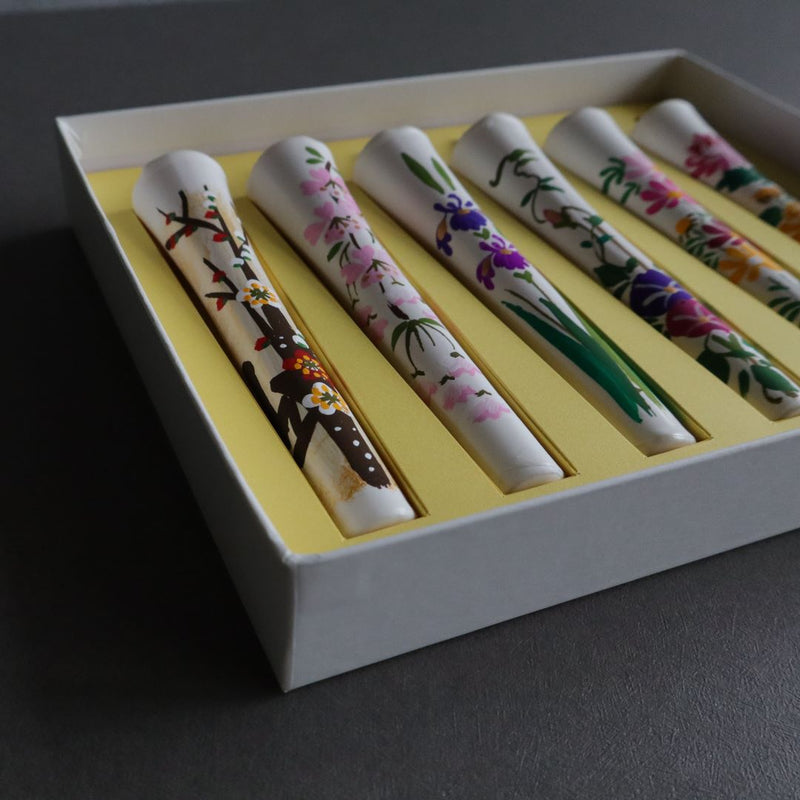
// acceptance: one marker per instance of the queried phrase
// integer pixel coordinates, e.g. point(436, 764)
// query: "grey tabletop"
point(128, 665)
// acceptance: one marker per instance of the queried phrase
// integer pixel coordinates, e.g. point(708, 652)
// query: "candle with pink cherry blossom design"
point(296, 184)
point(401, 169)
point(182, 198)
point(593, 146)
point(675, 131)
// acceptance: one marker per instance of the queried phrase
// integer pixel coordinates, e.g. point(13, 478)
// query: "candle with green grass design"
point(297, 184)
point(401, 169)
point(502, 159)
point(183, 200)
point(592, 145)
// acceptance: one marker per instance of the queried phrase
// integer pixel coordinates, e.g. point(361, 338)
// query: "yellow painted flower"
point(744, 263)
point(324, 398)
point(255, 294)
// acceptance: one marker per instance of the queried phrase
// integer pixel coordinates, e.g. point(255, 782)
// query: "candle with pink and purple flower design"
point(500, 156)
point(593, 146)
point(297, 184)
point(675, 131)
point(401, 169)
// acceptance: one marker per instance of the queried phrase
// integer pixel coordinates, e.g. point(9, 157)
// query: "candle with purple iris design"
point(403, 172)
point(500, 156)
point(593, 146)
point(183, 199)
point(675, 131)
point(297, 184)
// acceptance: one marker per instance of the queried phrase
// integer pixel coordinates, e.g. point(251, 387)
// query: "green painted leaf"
point(744, 383)
point(773, 380)
point(334, 250)
point(422, 173)
point(611, 275)
point(716, 363)
point(595, 220)
point(314, 152)
point(444, 174)
point(398, 332)
point(772, 216)
point(734, 179)
point(592, 358)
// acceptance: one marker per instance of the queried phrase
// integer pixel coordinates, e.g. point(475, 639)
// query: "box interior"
point(441, 479)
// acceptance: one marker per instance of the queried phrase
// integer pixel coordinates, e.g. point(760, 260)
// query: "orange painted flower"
point(744, 262)
point(790, 224)
point(767, 193)
point(683, 225)
point(255, 294)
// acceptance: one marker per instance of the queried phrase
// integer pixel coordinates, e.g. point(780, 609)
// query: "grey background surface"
point(127, 666)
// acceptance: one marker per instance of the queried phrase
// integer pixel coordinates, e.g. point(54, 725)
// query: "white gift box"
point(328, 605)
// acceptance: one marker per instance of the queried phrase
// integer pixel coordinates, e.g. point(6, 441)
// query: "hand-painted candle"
point(675, 131)
point(183, 200)
point(401, 169)
point(591, 144)
point(297, 184)
point(500, 156)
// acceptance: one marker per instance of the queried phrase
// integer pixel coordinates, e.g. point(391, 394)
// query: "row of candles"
point(184, 201)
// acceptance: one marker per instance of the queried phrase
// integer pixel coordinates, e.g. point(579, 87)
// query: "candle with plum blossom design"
point(675, 131)
point(183, 200)
point(500, 156)
point(297, 184)
point(593, 146)
point(401, 169)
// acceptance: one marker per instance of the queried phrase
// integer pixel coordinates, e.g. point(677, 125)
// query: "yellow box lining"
point(443, 482)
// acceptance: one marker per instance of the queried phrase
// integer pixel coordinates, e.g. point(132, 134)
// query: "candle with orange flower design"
point(675, 131)
point(593, 146)
point(183, 200)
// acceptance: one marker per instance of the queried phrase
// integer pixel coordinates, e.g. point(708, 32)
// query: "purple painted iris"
point(502, 255)
point(653, 293)
point(464, 216)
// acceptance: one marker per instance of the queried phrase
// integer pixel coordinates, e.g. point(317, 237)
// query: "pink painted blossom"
point(326, 213)
point(465, 369)
point(637, 165)
point(405, 295)
point(709, 154)
point(321, 177)
point(346, 205)
point(456, 393)
point(361, 259)
point(368, 319)
point(661, 192)
point(427, 389)
point(490, 407)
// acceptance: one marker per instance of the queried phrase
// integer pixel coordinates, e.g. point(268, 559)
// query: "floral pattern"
point(382, 300)
point(324, 399)
point(299, 396)
point(531, 300)
point(658, 200)
point(648, 291)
